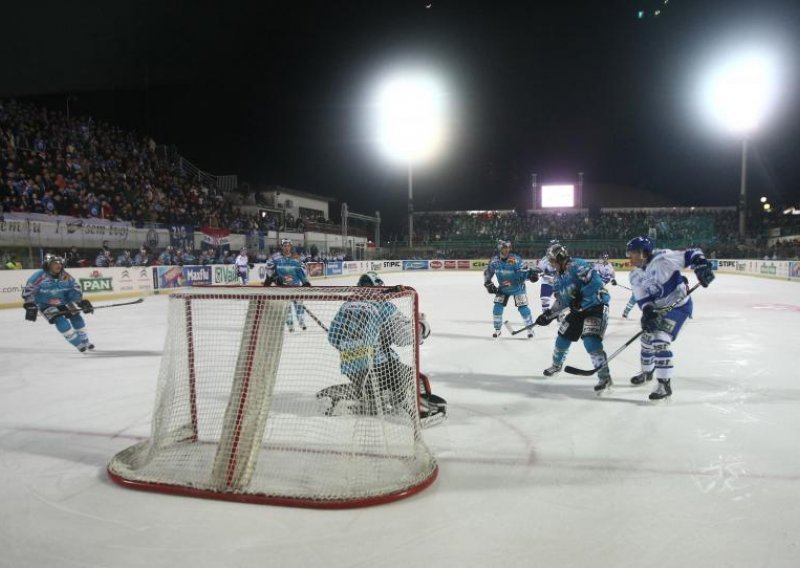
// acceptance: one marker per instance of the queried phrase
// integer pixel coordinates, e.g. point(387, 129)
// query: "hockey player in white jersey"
point(548, 273)
point(657, 282)
point(605, 270)
point(242, 264)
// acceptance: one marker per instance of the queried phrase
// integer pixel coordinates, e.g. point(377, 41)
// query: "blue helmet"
point(642, 243)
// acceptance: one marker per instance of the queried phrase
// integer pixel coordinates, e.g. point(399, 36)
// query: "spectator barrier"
point(100, 284)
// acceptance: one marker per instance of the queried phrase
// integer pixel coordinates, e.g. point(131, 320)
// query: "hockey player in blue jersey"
point(284, 269)
point(605, 270)
point(363, 331)
point(578, 287)
point(511, 273)
point(547, 276)
point(58, 297)
point(657, 282)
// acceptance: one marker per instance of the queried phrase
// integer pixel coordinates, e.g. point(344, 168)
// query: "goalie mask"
point(370, 279)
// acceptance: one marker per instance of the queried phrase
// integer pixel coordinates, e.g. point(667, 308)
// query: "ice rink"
point(533, 471)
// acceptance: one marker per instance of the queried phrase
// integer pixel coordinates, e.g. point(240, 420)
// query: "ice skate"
point(552, 370)
point(496, 333)
point(663, 390)
point(530, 334)
point(603, 385)
point(642, 378)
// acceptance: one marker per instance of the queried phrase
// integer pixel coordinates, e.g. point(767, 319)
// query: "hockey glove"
point(613, 281)
point(86, 306)
point(490, 287)
point(533, 275)
point(702, 269)
point(545, 318)
point(650, 319)
point(424, 327)
point(306, 283)
point(31, 311)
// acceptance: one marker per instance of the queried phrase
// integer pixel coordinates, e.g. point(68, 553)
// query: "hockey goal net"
point(250, 406)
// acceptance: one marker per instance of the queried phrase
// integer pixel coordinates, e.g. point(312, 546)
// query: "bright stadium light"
point(410, 116)
point(738, 95)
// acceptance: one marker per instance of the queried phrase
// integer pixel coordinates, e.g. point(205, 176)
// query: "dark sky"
point(274, 91)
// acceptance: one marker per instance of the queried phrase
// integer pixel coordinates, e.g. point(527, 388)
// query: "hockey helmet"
point(286, 242)
point(604, 257)
point(50, 259)
point(557, 254)
point(370, 279)
point(501, 244)
point(642, 243)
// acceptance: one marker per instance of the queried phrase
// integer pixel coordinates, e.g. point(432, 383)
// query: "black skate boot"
point(496, 333)
point(663, 390)
point(603, 385)
point(552, 370)
point(642, 378)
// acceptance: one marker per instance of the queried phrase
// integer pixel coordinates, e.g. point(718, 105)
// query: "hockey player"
point(242, 267)
point(605, 270)
point(285, 269)
point(57, 295)
point(511, 273)
point(363, 331)
point(657, 282)
point(629, 306)
point(578, 287)
point(548, 274)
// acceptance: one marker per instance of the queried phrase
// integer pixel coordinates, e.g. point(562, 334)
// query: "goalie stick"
point(590, 372)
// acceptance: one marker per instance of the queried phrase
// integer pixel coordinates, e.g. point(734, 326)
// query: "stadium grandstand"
point(82, 169)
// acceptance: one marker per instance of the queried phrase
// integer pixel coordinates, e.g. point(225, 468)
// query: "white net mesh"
point(304, 396)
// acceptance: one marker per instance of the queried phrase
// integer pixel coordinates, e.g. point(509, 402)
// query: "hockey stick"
point(316, 319)
point(513, 332)
point(590, 372)
point(137, 301)
point(623, 286)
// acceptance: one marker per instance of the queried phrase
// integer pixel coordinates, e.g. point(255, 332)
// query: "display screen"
point(558, 196)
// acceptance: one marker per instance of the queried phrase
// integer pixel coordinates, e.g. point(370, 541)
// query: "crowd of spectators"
point(85, 168)
point(675, 224)
point(79, 167)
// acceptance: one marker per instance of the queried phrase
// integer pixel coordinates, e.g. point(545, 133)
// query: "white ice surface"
point(533, 471)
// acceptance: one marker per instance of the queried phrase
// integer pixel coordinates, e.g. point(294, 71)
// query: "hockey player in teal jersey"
point(284, 269)
point(579, 288)
point(364, 331)
point(58, 297)
point(511, 273)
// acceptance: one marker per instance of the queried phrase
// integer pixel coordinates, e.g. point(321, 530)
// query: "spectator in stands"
point(125, 259)
point(73, 258)
point(142, 258)
point(104, 259)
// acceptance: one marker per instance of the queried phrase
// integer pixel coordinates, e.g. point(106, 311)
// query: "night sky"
point(275, 91)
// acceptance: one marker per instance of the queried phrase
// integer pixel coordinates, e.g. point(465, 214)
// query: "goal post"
point(247, 406)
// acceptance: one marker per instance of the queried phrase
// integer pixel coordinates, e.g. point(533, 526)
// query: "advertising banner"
point(226, 273)
point(333, 269)
point(315, 269)
point(437, 264)
point(794, 269)
point(170, 277)
point(96, 281)
point(197, 275)
point(137, 278)
point(478, 264)
point(415, 265)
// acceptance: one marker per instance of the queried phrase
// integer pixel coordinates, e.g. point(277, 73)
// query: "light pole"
point(738, 94)
point(410, 123)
